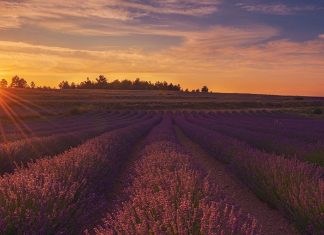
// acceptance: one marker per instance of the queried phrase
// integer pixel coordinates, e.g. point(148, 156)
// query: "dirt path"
point(114, 195)
point(271, 220)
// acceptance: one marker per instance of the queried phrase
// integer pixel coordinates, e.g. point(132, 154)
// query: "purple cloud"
point(276, 9)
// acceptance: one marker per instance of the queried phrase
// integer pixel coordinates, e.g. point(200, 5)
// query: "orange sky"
point(185, 42)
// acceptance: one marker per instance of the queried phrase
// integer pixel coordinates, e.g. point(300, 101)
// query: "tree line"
point(17, 82)
point(102, 83)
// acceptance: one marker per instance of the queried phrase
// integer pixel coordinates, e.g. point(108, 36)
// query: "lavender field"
point(161, 117)
point(163, 172)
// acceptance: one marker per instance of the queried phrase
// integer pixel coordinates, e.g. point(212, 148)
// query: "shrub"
point(317, 111)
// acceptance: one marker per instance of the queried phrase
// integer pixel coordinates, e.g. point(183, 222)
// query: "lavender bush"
point(295, 187)
point(51, 195)
point(169, 194)
point(23, 151)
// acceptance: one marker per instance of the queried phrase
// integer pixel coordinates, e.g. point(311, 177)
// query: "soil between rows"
point(115, 195)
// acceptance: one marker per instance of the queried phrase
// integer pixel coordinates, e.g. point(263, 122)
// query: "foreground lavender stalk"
point(169, 194)
point(49, 196)
point(290, 185)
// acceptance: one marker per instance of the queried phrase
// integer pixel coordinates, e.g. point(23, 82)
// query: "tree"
point(204, 89)
point(88, 84)
point(17, 82)
point(126, 84)
point(3, 83)
point(102, 82)
point(32, 85)
point(116, 85)
point(137, 84)
point(72, 86)
point(64, 85)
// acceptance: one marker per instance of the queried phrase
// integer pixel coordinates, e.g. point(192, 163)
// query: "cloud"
point(15, 13)
point(276, 9)
point(180, 7)
point(241, 59)
point(321, 36)
point(215, 49)
point(109, 22)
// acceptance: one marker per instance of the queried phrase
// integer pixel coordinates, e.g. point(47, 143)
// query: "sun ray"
point(24, 130)
point(13, 118)
point(25, 104)
point(2, 132)
point(19, 124)
point(30, 107)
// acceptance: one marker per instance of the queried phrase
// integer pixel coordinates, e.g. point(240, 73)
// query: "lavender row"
point(55, 127)
point(270, 143)
point(281, 144)
point(292, 186)
point(169, 194)
point(23, 151)
point(42, 123)
point(309, 131)
point(265, 141)
point(54, 195)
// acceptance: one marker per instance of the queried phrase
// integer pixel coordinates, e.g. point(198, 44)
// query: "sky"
point(248, 46)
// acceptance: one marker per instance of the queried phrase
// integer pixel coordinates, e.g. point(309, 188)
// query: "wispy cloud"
point(181, 7)
point(276, 9)
point(15, 13)
point(208, 51)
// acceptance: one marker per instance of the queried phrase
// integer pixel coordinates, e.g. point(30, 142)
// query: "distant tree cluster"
point(204, 89)
point(102, 83)
point(3, 83)
point(16, 82)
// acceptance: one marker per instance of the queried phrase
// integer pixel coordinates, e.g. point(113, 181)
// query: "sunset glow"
point(230, 46)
